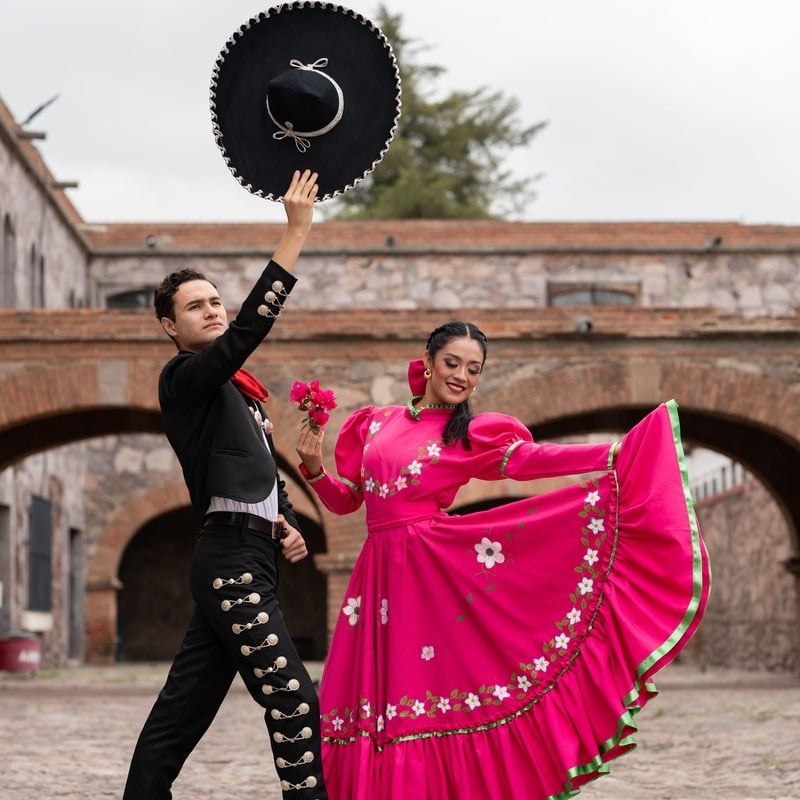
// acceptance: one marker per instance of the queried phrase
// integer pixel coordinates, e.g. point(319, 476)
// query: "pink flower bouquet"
point(314, 401)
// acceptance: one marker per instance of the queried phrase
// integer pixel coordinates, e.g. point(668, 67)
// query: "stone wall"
point(457, 264)
point(56, 476)
point(752, 621)
point(47, 259)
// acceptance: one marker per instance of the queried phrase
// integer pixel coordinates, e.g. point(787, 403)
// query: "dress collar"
point(415, 412)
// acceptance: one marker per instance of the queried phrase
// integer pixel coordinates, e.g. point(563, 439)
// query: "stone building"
point(590, 324)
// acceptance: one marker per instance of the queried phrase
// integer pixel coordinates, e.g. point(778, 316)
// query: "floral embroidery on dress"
point(489, 553)
point(410, 475)
point(351, 609)
point(384, 611)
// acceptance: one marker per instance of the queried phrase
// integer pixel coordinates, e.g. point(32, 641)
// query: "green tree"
point(446, 160)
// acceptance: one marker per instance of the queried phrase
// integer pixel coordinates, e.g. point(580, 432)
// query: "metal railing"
point(718, 480)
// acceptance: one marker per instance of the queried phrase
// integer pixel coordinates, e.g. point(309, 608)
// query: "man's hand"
point(298, 201)
point(293, 544)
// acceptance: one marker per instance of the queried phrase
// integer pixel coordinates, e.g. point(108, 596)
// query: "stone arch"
point(725, 409)
point(102, 582)
point(51, 406)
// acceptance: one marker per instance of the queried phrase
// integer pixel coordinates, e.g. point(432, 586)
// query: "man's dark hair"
point(164, 293)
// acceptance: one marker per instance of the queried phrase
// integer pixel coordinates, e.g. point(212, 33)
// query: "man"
point(215, 425)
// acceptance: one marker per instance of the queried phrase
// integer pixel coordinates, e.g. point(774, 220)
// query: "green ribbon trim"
point(416, 411)
point(626, 720)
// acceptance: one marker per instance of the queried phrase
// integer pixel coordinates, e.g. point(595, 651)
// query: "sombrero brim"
point(360, 60)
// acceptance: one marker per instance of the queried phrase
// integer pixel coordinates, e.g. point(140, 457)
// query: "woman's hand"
point(309, 448)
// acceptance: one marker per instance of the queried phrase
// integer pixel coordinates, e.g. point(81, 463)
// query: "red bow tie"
point(249, 385)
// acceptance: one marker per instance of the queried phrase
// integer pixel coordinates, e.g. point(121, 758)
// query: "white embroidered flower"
point(391, 711)
point(500, 692)
point(380, 724)
point(352, 608)
point(561, 641)
point(384, 611)
point(443, 705)
point(574, 616)
point(592, 499)
point(415, 468)
point(473, 701)
point(367, 709)
point(374, 427)
point(401, 483)
point(523, 682)
point(585, 586)
point(591, 557)
point(427, 652)
point(337, 723)
point(369, 485)
point(596, 525)
point(541, 664)
point(489, 553)
point(418, 708)
point(383, 491)
point(434, 451)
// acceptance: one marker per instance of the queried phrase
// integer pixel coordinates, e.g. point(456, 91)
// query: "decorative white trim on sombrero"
point(272, 13)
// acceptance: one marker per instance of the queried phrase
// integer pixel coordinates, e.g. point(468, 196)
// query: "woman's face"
point(455, 371)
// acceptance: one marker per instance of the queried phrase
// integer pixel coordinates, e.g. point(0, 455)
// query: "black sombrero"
point(305, 85)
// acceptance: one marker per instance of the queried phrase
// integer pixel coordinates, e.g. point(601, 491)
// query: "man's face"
point(200, 316)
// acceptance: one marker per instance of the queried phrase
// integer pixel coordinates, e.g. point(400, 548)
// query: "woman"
point(502, 653)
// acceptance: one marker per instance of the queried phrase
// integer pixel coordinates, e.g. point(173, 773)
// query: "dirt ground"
point(68, 735)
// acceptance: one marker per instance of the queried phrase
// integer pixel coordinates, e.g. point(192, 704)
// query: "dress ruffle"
point(540, 660)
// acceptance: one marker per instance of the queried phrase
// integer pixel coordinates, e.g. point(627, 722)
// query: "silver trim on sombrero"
point(265, 15)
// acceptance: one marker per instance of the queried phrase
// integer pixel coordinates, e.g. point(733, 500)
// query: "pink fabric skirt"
point(505, 654)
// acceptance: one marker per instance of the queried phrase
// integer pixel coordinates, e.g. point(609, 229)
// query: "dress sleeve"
point(344, 494)
point(504, 448)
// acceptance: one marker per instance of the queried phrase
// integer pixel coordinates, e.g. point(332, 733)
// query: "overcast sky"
point(679, 110)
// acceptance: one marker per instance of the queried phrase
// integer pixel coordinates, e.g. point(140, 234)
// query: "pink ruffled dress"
point(503, 653)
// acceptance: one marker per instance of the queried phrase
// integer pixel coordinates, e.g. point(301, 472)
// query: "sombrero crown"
point(305, 85)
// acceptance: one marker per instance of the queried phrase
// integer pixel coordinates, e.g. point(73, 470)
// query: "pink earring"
point(427, 374)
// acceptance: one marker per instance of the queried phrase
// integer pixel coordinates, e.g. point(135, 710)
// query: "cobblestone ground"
point(68, 735)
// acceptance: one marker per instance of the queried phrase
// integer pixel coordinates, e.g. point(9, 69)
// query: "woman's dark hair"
point(458, 425)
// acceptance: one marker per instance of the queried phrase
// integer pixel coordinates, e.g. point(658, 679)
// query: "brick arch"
point(562, 393)
point(50, 406)
point(747, 416)
point(577, 389)
point(51, 390)
point(122, 527)
point(102, 583)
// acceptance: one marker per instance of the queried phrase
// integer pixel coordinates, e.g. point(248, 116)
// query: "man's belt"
point(243, 521)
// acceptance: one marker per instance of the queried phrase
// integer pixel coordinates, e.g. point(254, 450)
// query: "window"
point(37, 279)
point(8, 266)
point(592, 294)
point(135, 298)
point(40, 554)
